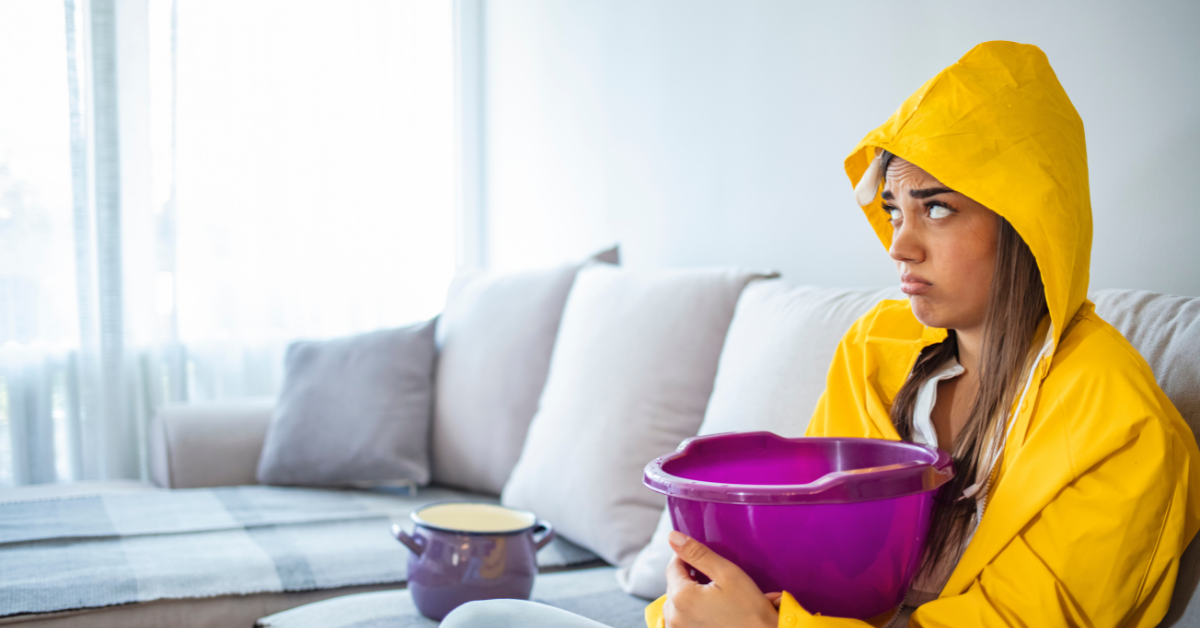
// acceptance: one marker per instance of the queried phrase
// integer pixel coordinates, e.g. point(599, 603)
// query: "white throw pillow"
point(771, 374)
point(495, 337)
point(631, 375)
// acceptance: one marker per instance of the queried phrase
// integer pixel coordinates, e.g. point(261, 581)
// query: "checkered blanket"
point(89, 551)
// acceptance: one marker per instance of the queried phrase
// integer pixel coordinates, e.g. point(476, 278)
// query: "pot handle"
point(547, 534)
point(409, 541)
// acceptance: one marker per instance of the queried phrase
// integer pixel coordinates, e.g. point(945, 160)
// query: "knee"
point(486, 613)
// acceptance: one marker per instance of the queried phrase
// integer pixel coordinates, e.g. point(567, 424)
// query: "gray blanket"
point(80, 552)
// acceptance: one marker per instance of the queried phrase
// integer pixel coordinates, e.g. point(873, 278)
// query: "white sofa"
point(772, 365)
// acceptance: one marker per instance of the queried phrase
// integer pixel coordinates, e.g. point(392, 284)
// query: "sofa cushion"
point(208, 543)
point(630, 377)
point(354, 410)
point(771, 373)
point(495, 337)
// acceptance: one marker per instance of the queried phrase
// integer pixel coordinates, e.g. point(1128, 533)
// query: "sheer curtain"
point(39, 327)
point(187, 186)
point(313, 176)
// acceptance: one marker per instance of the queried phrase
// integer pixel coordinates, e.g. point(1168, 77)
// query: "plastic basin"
point(839, 523)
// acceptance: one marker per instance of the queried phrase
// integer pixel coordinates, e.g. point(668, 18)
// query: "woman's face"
point(944, 246)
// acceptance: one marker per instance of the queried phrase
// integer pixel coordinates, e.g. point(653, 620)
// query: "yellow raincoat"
point(1096, 494)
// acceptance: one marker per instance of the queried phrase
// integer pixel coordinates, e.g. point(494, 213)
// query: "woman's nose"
point(906, 246)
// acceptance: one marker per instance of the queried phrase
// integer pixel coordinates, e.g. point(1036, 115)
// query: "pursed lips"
point(912, 285)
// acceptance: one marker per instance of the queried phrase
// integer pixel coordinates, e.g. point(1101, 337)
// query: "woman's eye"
point(895, 214)
point(938, 211)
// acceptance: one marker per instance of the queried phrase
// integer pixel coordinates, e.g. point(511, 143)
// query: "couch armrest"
point(196, 445)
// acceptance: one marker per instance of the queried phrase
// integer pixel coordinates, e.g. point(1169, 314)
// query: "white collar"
point(923, 431)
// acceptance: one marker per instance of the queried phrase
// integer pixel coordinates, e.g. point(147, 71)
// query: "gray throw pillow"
point(354, 410)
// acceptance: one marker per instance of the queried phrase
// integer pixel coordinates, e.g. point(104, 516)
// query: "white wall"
point(707, 132)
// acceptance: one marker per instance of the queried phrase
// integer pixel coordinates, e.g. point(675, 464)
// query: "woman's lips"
point(913, 285)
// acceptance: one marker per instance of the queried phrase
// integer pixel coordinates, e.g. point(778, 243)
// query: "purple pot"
point(839, 523)
point(467, 551)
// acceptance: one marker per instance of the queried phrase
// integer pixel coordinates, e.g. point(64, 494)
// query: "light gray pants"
point(514, 614)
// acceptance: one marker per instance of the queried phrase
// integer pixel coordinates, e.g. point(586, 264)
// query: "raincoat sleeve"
point(1103, 543)
point(654, 613)
point(1104, 552)
point(787, 608)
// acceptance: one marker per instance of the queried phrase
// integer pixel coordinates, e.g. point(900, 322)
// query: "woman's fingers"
point(676, 572)
point(774, 598)
point(731, 599)
point(678, 577)
point(704, 560)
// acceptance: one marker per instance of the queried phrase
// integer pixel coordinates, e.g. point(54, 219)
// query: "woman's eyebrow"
point(927, 192)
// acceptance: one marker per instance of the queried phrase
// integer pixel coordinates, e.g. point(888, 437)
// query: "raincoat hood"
point(998, 127)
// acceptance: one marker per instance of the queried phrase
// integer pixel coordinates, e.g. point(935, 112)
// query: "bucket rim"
point(836, 487)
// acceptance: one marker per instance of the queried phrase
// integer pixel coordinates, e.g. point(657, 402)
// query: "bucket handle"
point(411, 542)
point(934, 477)
point(547, 534)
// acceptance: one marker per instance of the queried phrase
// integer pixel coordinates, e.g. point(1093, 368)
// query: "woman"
point(1075, 492)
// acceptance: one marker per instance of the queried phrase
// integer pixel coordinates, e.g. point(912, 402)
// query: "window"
point(186, 186)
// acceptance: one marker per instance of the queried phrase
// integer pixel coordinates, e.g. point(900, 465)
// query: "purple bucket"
point(839, 523)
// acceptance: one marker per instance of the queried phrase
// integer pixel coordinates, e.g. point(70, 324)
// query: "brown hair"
point(1016, 306)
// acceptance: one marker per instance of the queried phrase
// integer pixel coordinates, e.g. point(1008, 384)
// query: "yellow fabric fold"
point(654, 613)
point(791, 615)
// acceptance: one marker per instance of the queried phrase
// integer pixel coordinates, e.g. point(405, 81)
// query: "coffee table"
point(592, 593)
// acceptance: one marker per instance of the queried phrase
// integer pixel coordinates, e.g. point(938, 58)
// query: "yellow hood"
point(998, 127)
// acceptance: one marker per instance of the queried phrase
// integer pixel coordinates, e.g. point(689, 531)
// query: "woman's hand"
point(731, 599)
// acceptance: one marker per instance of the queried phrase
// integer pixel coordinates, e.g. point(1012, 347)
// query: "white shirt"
point(923, 432)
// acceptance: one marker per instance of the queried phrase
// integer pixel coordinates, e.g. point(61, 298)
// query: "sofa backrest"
point(783, 337)
point(1165, 329)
